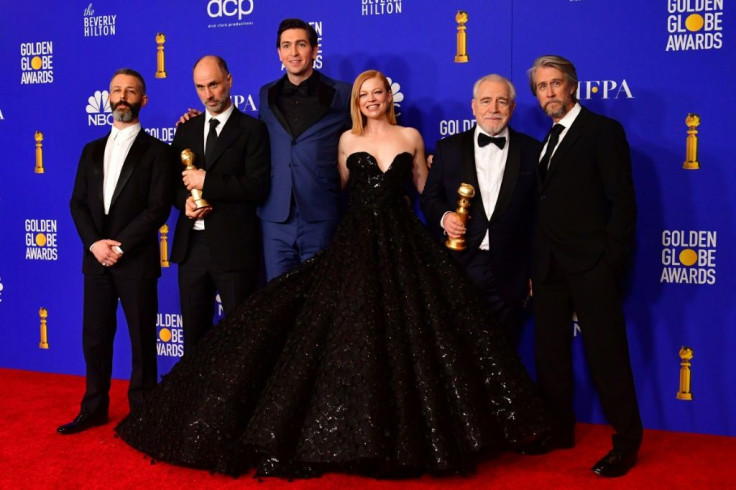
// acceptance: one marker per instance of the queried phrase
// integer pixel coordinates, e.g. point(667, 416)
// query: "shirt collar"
point(571, 115)
point(125, 133)
point(222, 117)
point(503, 134)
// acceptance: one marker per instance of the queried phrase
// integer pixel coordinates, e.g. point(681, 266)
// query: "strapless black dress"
point(376, 356)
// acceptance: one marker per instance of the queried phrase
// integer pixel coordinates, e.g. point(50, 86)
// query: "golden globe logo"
point(694, 25)
point(689, 257)
point(41, 241)
point(170, 341)
point(37, 62)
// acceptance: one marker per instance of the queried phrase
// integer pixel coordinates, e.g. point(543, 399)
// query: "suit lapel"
point(198, 128)
point(272, 94)
point(137, 149)
point(469, 173)
point(510, 176)
point(229, 133)
point(98, 168)
point(326, 99)
point(567, 142)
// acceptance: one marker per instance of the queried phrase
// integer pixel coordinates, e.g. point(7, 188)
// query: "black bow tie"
point(484, 139)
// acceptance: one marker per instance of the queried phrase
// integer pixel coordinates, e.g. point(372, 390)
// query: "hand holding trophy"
point(187, 159)
point(466, 193)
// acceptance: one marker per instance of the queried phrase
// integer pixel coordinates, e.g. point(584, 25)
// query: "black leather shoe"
point(615, 463)
point(547, 444)
point(83, 421)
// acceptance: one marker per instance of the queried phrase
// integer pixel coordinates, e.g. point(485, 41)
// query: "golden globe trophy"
point(160, 40)
point(164, 245)
point(466, 193)
point(39, 153)
point(187, 159)
point(686, 355)
point(44, 343)
point(691, 151)
point(461, 56)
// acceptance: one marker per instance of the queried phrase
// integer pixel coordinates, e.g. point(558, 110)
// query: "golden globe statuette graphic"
point(686, 355)
point(466, 193)
point(691, 152)
point(187, 159)
point(164, 245)
point(39, 153)
point(461, 56)
point(44, 343)
point(160, 40)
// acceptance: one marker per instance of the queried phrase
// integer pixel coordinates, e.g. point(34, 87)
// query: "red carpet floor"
point(34, 456)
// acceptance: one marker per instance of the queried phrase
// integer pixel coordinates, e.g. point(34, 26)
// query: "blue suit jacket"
point(306, 165)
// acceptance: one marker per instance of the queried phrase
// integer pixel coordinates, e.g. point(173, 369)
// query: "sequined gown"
point(373, 357)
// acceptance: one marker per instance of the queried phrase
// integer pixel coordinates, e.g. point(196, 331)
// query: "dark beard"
point(125, 116)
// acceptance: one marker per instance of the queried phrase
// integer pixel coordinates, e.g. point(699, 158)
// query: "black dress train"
point(374, 357)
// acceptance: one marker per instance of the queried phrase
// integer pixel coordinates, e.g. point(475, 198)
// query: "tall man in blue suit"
point(305, 112)
point(500, 164)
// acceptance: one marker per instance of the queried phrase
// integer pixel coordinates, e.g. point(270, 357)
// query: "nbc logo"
point(98, 109)
point(398, 96)
point(1, 289)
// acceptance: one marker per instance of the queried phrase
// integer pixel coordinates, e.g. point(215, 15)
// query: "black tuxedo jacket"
point(510, 226)
point(237, 180)
point(140, 205)
point(587, 206)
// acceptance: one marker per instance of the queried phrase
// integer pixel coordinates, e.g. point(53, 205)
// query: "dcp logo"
point(229, 8)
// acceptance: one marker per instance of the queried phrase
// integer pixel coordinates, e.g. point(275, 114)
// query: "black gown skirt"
point(375, 357)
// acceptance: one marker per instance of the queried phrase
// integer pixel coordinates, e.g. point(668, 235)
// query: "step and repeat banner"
point(663, 68)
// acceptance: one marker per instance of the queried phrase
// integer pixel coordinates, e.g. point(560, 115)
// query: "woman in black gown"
point(376, 356)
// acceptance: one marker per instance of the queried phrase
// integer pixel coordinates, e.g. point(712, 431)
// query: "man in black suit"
point(217, 248)
point(122, 195)
point(583, 239)
point(500, 164)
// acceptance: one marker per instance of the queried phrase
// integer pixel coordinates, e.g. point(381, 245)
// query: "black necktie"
point(209, 152)
point(484, 139)
point(552, 138)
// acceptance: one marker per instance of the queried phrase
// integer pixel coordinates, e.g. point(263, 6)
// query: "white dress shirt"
point(567, 122)
point(490, 163)
point(116, 151)
point(223, 117)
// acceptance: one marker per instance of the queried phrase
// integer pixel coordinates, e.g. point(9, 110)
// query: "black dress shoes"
point(615, 463)
point(83, 421)
point(547, 444)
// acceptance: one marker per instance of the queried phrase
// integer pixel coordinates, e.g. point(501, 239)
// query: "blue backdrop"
point(647, 64)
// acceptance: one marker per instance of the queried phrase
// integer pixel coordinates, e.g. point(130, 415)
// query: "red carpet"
point(34, 456)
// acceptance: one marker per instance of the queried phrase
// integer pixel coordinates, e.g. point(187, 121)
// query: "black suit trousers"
point(596, 298)
point(199, 282)
point(139, 300)
point(510, 316)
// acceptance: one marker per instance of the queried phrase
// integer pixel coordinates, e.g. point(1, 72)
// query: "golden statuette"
point(187, 159)
point(39, 152)
point(466, 193)
point(164, 245)
point(686, 355)
point(44, 343)
point(160, 71)
point(691, 151)
point(461, 56)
